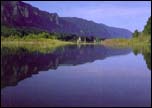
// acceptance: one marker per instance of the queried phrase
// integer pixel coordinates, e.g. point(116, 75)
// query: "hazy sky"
point(124, 14)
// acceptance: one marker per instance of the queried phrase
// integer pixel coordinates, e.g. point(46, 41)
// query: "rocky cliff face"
point(18, 14)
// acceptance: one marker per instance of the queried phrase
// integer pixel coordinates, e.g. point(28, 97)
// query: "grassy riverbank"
point(139, 41)
point(41, 44)
point(32, 44)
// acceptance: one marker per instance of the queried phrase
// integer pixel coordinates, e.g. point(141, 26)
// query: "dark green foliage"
point(145, 32)
point(147, 28)
point(135, 34)
point(31, 33)
point(6, 31)
point(21, 32)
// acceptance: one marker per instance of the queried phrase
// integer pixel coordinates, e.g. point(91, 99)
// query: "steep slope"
point(18, 14)
point(90, 28)
point(87, 28)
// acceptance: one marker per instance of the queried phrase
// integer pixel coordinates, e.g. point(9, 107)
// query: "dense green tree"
point(6, 31)
point(147, 28)
point(135, 34)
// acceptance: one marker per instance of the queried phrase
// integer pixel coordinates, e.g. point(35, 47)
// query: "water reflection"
point(21, 64)
point(99, 76)
point(146, 52)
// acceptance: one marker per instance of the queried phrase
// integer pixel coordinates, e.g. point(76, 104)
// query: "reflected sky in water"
point(102, 76)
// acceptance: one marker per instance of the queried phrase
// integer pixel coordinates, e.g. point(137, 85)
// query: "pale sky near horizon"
point(124, 14)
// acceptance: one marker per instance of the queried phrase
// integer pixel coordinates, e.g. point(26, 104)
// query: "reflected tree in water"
point(146, 52)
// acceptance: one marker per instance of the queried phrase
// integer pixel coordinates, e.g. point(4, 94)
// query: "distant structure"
point(79, 39)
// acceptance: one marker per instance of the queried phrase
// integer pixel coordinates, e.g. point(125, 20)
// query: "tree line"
point(145, 32)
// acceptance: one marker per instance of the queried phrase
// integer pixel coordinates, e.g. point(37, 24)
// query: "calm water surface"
point(76, 76)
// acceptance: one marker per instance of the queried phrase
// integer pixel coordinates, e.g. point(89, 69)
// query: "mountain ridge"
point(18, 14)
